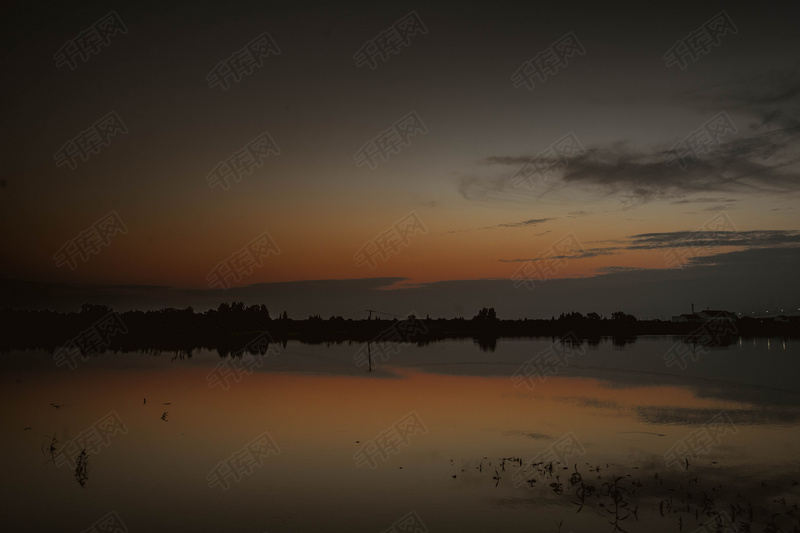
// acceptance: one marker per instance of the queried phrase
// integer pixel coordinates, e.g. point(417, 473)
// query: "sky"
point(335, 157)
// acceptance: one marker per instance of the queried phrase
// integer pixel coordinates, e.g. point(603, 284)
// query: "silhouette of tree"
point(95, 310)
point(230, 326)
point(486, 315)
point(622, 317)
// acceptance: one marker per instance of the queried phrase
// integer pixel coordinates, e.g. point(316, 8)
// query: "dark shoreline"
point(237, 330)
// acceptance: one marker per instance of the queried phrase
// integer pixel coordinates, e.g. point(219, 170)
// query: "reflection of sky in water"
point(624, 407)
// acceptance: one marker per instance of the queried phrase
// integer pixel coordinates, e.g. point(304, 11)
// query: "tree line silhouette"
point(228, 328)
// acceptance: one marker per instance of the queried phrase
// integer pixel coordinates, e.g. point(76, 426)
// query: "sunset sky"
point(620, 198)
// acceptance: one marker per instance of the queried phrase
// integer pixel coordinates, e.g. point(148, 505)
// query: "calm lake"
point(655, 434)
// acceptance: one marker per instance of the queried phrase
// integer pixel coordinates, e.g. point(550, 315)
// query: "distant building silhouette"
point(708, 315)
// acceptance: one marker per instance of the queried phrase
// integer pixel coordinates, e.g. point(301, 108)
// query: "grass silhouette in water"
point(51, 448)
point(618, 495)
point(82, 468)
point(711, 498)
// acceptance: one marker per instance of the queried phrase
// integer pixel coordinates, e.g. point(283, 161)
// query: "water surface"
point(448, 435)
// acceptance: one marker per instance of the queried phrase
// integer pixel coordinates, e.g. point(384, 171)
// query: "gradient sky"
point(618, 199)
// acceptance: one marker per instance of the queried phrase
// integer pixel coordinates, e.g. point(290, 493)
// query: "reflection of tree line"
point(230, 327)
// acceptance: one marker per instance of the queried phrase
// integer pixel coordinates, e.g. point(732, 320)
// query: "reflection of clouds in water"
point(530, 435)
point(750, 373)
point(737, 373)
point(750, 395)
point(687, 416)
point(590, 402)
point(701, 386)
point(740, 374)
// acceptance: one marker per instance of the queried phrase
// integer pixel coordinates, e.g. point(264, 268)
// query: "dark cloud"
point(748, 258)
point(616, 269)
point(530, 222)
point(522, 224)
point(758, 278)
point(579, 254)
point(700, 239)
point(713, 239)
point(703, 200)
point(134, 287)
point(754, 165)
point(60, 296)
point(506, 160)
point(760, 158)
point(760, 164)
point(774, 98)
